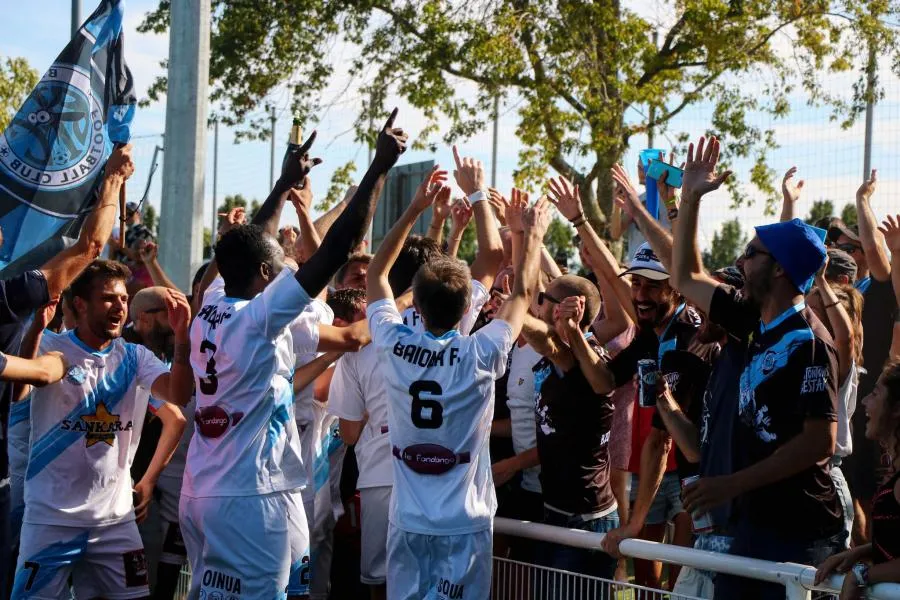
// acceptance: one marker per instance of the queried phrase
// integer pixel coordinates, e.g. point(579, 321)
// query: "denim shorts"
point(666, 503)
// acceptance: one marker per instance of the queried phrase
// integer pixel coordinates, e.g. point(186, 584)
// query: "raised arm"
point(461, 214)
point(890, 229)
point(660, 239)
point(570, 312)
point(294, 172)
point(535, 221)
point(301, 198)
point(148, 254)
point(469, 175)
point(869, 235)
point(232, 218)
point(350, 228)
point(841, 325)
point(377, 285)
point(440, 212)
point(63, 268)
point(790, 192)
point(700, 178)
point(567, 199)
point(28, 368)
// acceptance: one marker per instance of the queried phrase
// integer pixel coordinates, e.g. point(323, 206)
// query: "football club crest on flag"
point(53, 152)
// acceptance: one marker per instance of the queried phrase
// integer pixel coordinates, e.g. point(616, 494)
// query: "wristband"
point(578, 221)
point(477, 196)
point(833, 304)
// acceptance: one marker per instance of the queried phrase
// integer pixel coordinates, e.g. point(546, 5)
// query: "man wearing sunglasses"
point(865, 245)
point(787, 507)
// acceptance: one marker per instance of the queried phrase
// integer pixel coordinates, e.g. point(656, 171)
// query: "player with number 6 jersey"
point(440, 386)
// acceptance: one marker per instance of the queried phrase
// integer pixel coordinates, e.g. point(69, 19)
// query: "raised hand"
point(700, 175)
point(461, 212)
point(890, 229)
point(567, 199)
point(45, 314)
point(469, 173)
point(537, 218)
point(499, 204)
point(234, 217)
point(442, 208)
point(626, 194)
point(120, 163)
point(666, 192)
point(148, 252)
point(571, 311)
point(179, 312)
point(430, 188)
point(867, 188)
point(299, 164)
point(789, 189)
point(301, 196)
point(515, 211)
point(391, 143)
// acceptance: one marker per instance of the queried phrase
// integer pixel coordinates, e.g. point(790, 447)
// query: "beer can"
point(701, 522)
point(648, 374)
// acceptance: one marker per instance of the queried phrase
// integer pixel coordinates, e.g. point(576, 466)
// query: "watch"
point(861, 572)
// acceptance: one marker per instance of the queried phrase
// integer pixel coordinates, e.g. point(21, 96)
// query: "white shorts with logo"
point(103, 562)
point(438, 567)
point(375, 505)
point(246, 547)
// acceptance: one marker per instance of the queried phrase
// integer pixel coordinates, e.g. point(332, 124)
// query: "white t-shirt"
point(846, 407)
point(480, 295)
point(245, 442)
point(441, 402)
point(358, 388)
point(85, 430)
point(520, 400)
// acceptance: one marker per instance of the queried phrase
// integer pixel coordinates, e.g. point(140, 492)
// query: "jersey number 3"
point(210, 383)
point(426, 413)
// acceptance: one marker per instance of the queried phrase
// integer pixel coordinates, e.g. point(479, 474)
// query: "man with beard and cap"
point(151, 322)
point(666, 326)
point(787, 507)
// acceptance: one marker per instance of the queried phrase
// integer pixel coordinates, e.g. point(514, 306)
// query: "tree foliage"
point(17, 79)
point(726, 246)
point(341, 179)
point(820, 209)
point(559, 239)
point(150, 218)
point(849, 216)
point(239, 200)
point(585, 76)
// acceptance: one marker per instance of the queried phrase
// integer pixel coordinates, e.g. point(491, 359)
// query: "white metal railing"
point(797, 579)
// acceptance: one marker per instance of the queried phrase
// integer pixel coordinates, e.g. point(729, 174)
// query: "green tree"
point(17, 79)
point(849, 216)
point(820, 209)
point(207, 243)
point(341, 179)
point(232, 201)
point(559, 239)
point(726, 246)
point(575, 70)
point(150, 218)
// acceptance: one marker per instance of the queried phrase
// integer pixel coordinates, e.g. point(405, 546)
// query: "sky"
point(828, 158)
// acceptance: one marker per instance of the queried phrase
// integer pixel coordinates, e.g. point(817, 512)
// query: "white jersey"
point(441, 395)
point(480, 295)
point(245, 442)
point(520, 400)
point(85, 430)
point(358, 388)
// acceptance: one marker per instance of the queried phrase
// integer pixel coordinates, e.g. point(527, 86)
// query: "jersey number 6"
point(436, 412)
point(210, 383)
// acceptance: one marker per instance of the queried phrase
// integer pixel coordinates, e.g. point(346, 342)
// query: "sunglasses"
point(543, 296)
point(750, 251)
point(848, 248)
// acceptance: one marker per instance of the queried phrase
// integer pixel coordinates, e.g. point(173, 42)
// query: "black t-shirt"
point(20, 296)
point(573, 426)
point(789, 376)
point(718, 419)
point(879, 312)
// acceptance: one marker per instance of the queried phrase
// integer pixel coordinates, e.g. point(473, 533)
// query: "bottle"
point(294, 142)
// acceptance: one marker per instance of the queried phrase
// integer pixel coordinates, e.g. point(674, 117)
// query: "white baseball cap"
point(646, 264)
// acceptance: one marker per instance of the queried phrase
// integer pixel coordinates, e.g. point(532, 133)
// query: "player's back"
point(441, 394)
point(245, 441)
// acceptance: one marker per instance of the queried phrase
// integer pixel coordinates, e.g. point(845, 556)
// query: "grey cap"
point(840, 263)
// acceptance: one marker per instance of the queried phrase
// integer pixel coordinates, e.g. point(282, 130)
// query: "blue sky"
point(828, 158)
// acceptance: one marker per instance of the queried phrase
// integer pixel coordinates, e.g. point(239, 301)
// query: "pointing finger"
point(390, 122)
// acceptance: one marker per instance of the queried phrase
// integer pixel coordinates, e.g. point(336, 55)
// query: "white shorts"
point(438, 567)
point(375, 505)
point(104, 562)
point(246, 546)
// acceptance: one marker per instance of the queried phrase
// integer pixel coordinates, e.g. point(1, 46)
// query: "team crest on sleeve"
point(76, 375)
point(57, 140)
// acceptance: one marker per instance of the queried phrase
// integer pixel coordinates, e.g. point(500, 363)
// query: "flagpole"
point(122, 216)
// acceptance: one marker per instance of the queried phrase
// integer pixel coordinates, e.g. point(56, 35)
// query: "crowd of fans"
point(775, 432)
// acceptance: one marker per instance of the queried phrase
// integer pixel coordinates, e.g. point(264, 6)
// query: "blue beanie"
point(799, 249)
